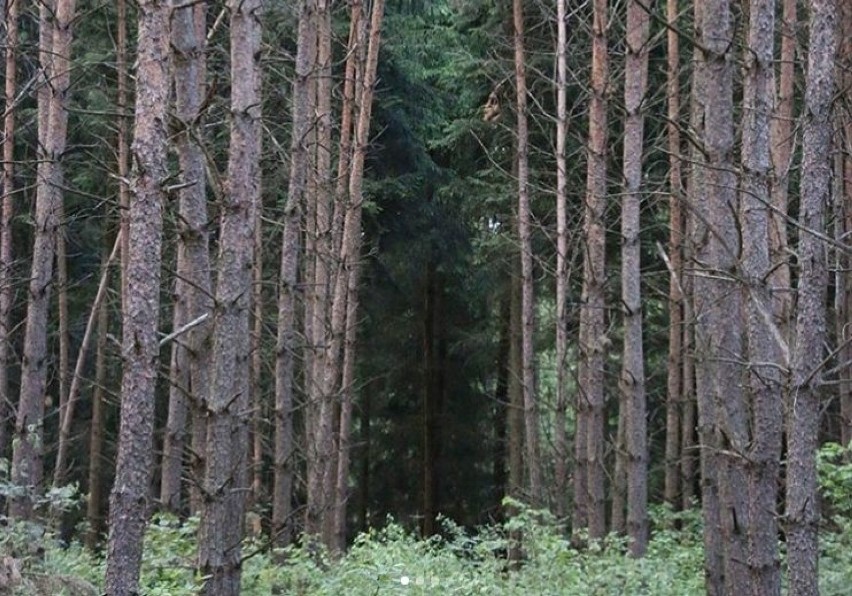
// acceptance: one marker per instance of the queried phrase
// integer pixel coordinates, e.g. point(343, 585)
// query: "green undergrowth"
point(392, 560)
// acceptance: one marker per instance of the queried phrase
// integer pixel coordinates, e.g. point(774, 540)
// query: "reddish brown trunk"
point(674, 383)
point(7, 210)
point(140, 345)
point(27, 464)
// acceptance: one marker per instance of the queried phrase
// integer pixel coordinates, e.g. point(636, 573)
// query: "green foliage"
point(834, 464)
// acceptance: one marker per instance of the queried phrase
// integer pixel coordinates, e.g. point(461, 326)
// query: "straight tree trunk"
point(782, 141)
point(123, 143)
point(354, 70)
point(844, 285)
point(515, 422)
point(284, 464)
point(593, 340)
point(633, 367)
point(7, 212)
point(718, 297)
point(765, 382)
point(696, 252)
point(140, 345)
point(531, 423)
point(320, 504)
point(190, 364)
point(562, 260)
point(802, 503)
point(226, 475)
point(27, 464)
point(674, 381)
point(94, 510)
point(258, 395)
point(346, 409)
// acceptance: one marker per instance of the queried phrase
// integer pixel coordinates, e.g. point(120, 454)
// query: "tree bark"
point(27, 464)
point(844, 284)
point(764, 339)
point(718, 297)
point(782, 141)
point(140, 344)
point(674, 381)
point(802, 503)
point(226, 474)
point(696, 253)
point(633, 367)
point(321, 504)
point(7, 212)
point(531, 423)
point(593, 340)
point(284, 464)
point(562, 260)
point(190, 364)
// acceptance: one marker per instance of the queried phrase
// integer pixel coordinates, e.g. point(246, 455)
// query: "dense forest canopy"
point(545, 280)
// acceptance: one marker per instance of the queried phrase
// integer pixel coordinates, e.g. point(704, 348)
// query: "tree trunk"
point(284, 465)
point(531, 423)
point(190, 365)
point(7, 211)
point(346, 407)
point(802, 506)
point(718, 299)
point(140, 345)
point(94, 509)
point(515, 423)
point(593, 340)
point(673, 489)
point(633, 368)
point(844, 286)
point(226, 477)
point(705, 408)
point(764, 349)
point(27, 464)
point(782, 141)
point(355, 62)
point(320, 504)
point(562, 260)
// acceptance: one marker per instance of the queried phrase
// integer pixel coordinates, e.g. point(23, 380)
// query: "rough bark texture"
point(321, 504)
point(844, 285)
point(589, 491)
point(802, 506)
point(190, 364)
point(27, 465)
point(531, 423)
point(764, 339)
point(226, 479)
point(562, 260)
point(782, 139)
point(7, 211)
point(718, 300)
point(632, 382)
point(283, 464)
point(357, 48)
point(674, 381)
point(140, 345)
point(705, 407)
